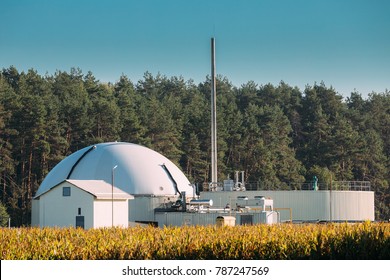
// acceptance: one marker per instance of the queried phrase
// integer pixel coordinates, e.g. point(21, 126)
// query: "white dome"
point(139, 171)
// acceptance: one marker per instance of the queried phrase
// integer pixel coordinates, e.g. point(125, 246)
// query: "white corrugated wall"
point(310, 205)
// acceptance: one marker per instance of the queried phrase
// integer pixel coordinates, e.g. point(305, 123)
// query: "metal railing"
point(351, 185)
point(306, 186)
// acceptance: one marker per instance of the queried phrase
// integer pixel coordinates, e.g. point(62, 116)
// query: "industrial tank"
point(134, 169)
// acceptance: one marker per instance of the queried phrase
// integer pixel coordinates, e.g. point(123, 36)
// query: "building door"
point(246, 219)
point(80, 221)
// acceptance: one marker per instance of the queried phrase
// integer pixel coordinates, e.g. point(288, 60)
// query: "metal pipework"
point(204, 202)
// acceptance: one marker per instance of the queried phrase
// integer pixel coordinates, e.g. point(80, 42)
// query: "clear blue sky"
point(346, 43)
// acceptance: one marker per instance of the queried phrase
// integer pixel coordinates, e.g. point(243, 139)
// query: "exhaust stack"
point(214, 171)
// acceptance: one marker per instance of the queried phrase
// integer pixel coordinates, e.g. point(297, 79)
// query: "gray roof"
point(98, 188)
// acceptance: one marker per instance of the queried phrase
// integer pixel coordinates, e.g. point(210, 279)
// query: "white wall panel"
point(103, 213)
point(310, 205)
point(61, 211)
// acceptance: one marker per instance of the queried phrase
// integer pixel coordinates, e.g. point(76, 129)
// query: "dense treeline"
point(279, 135)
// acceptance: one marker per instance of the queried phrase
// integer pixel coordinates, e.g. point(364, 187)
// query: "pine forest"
point(279, 135)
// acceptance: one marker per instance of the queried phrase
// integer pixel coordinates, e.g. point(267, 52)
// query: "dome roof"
point(139, 170)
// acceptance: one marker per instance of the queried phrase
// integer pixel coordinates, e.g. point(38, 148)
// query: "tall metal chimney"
point(214, 174)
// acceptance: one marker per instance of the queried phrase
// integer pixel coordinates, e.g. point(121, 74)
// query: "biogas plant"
point(124, 184)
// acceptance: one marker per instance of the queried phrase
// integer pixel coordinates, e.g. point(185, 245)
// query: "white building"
point(141, 173)
point(81, 203)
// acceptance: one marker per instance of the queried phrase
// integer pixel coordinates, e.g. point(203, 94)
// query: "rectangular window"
point(79, 212)
point(66, 191)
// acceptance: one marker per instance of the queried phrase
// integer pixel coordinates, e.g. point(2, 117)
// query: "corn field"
point(277, 242)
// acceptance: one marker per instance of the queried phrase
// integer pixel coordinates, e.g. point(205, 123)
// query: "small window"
point(66, 191)
point(79, 212)
point(80, 221)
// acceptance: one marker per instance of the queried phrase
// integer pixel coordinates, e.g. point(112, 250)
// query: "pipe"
point(205, 202)
point(184, 199)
